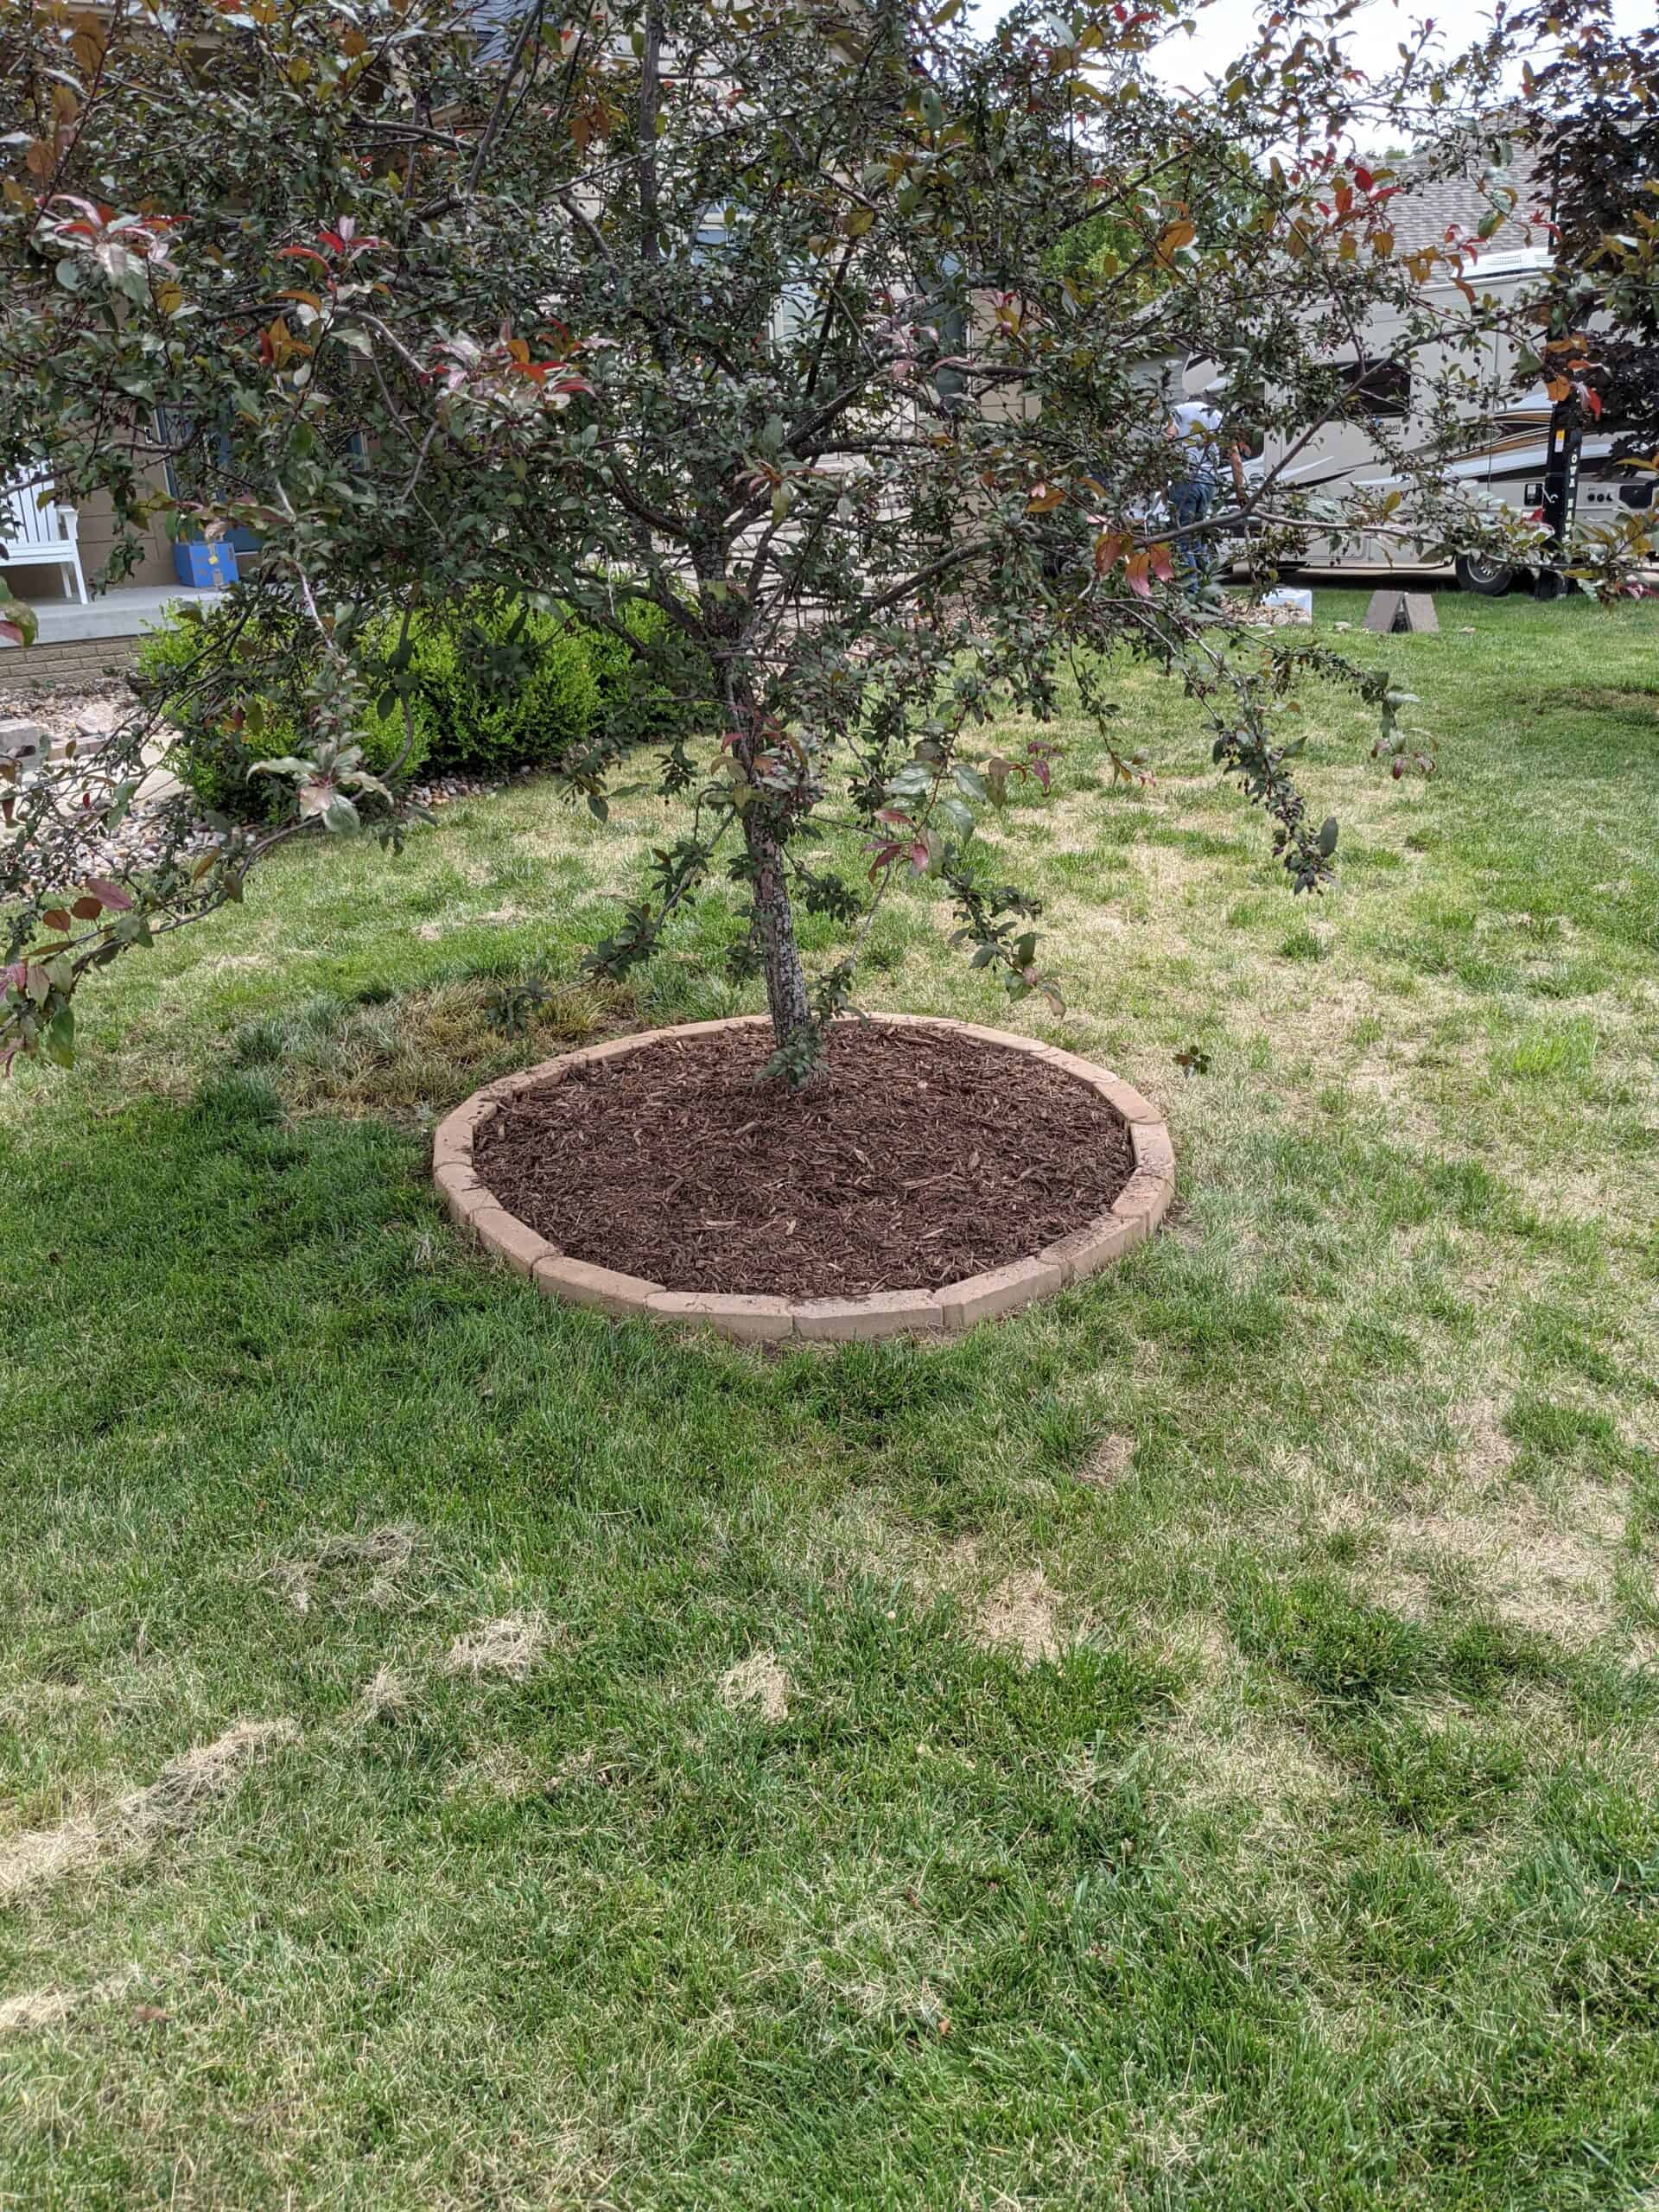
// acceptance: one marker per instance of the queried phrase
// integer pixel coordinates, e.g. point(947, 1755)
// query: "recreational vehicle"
point(1505, 459)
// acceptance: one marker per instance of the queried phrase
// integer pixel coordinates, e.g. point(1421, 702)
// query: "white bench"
point(34, 529)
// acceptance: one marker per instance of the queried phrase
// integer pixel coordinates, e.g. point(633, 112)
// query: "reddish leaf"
point(110, 894)
point(1109, 549)
point(84, 910)
point(56, 918)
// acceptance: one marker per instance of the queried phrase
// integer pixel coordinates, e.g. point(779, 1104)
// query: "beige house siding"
point(97, 537)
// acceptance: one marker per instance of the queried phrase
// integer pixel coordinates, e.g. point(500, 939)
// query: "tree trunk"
point(774, 930)
point(771, 918)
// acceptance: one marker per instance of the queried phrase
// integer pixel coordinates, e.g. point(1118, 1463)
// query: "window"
point(200, 468)
point(1377, 388)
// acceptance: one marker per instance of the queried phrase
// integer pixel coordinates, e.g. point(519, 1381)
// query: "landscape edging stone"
point(1132, 1217)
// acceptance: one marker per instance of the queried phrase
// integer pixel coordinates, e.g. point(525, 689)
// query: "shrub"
point(214, 758)
point(498, 686)
point(674, 693)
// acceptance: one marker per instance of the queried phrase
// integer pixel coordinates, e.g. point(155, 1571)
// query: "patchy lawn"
point(1196, 1744)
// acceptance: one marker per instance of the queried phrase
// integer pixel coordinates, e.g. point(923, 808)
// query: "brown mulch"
point(914, 1158)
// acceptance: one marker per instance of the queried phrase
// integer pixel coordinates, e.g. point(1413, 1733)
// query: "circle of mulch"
point(916, 1157)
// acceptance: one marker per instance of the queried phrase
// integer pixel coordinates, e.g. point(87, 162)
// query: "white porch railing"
point(34, 528)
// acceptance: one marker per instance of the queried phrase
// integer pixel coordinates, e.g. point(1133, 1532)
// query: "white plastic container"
point(1296, 598)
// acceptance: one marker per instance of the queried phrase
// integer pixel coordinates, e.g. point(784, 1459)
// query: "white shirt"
point(1195, 425)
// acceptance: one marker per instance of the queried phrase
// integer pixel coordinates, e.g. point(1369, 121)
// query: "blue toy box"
point(206, 567)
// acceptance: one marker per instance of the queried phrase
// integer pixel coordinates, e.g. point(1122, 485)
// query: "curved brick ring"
point(1135, 1212)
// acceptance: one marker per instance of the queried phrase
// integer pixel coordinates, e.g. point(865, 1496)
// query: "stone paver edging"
point(1136, 1212)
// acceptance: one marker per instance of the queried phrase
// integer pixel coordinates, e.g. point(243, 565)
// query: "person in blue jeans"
point(1195, 432)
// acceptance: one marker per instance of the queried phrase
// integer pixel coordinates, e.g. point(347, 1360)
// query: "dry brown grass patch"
point(418, 1052)
point(388, 1697)
point(1009, 1609)
point(502, 1770)
point(130, 1828)
point(1546, 1566)
point(37, 2009)
point(1108, 1460)
point(1551, 1572)
point(757, 1681)
point(383, 1552)
point(1018, 1615)
point(510, 1646)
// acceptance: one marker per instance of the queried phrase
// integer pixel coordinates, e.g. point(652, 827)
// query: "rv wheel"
point(1491, 579)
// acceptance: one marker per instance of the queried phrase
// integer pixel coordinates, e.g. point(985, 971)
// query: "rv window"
point(1378, 388)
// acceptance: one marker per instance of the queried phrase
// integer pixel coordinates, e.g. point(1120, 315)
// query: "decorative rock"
point(21, 739)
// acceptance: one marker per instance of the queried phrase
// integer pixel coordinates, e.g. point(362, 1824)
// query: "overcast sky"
point(1373, 36)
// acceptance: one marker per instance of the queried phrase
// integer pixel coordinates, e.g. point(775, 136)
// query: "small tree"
point(759, 315)
point(1593, 109)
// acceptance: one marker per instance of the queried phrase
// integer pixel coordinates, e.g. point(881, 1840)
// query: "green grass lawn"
point(1196, 1744)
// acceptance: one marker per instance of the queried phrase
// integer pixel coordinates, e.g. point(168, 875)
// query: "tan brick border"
point(1137, 1210)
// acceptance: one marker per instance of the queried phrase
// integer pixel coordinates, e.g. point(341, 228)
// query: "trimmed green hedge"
point(497, 686)
point(504, 687)
point(635, 701)
point(214, 758)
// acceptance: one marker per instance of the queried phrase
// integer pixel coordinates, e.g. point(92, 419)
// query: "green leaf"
point(58, 1042)
point(18, 624)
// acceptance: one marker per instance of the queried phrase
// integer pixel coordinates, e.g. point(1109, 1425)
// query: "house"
point(79, 635)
